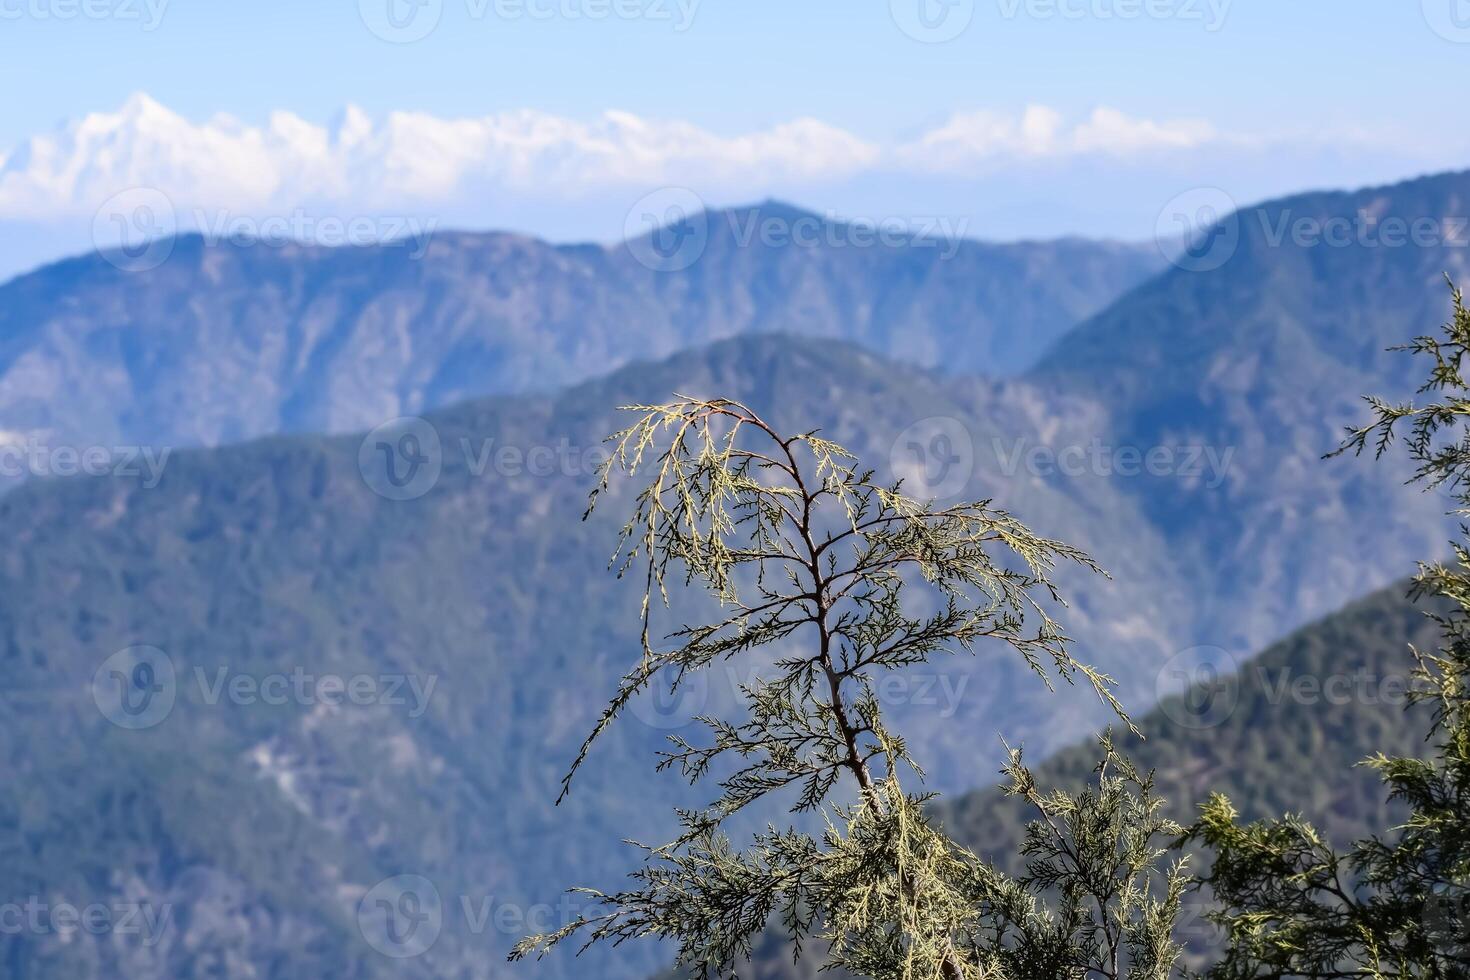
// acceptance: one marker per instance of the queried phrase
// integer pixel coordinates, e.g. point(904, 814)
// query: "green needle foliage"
point(1396, 905)
point(1101, 856)
point(845, 578)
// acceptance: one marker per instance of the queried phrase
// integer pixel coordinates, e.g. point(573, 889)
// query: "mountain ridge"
point(219, 343)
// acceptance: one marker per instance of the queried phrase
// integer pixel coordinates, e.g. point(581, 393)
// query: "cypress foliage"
point(1395, 905)
point(804, 550)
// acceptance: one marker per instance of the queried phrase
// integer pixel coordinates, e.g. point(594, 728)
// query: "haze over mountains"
point(1174, 434)
point(222, 343)
point(1018, 171)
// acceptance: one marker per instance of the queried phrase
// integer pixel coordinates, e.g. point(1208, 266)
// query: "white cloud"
point(984, 139)
point(403, 159)
point(128, 176)
point(1110, 131)
point(411, 157)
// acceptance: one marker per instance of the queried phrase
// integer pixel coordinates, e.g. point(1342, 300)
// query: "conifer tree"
point(1395, 905)
point(844, 578)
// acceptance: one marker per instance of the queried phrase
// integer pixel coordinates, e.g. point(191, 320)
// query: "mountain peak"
point(350, 125)
point(745, 216)
point(141, 107)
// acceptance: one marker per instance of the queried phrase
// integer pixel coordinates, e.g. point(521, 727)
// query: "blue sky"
point(1294, 93)
point(1285, 64)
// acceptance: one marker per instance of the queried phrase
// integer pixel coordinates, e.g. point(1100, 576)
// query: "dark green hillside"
point(1305, 711)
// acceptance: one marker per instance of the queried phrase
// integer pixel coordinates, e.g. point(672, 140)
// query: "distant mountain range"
point(226, 342)
point(1175, 435)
